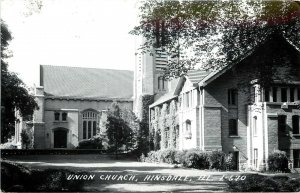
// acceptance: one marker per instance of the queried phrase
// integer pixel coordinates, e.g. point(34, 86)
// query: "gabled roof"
point(169, 95)
point(215, 74)
point(176, 84)
point(86, 83)
point(195, 76)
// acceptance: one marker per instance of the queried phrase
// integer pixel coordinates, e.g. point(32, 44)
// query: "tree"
point(213, 34)
point(25, 138)
point(121, 128)
point(14, 93)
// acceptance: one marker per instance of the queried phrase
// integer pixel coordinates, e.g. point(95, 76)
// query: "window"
point(56, 116)
point(292, 98)
point(188, 129)
point(283, 95)
point(296, 154)
point(255, 158)
point(255, 126)
point(89, 124)
point(295, 121)
point(267, 95)
point(298, 94)
point(232, 96)
point(281, 123)
point(274, 94)
point(187, 99)
point(64, 116)
point(84, 130)
point(161, 83)
point(233, 127)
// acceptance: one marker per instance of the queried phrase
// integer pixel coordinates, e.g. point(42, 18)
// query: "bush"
point(17, 178)
point(229, 162)
point(152, 157)
point(168, 156)
point(260, 183)
point(92, 143)
point(180, 156)
point(216, 160)
point(196, 159)
point(278, 162)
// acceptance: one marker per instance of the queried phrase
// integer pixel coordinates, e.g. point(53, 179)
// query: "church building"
point(209, 110)
point(72, 101)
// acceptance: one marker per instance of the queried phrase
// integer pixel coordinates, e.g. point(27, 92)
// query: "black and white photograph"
point(150, 96)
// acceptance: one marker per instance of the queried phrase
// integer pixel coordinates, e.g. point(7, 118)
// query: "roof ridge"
point(84, 67)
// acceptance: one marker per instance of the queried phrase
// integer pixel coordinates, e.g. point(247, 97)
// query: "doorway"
point(60, 138)
point(235, 159)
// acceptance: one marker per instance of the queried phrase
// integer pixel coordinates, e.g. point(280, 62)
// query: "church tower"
point(148, 76)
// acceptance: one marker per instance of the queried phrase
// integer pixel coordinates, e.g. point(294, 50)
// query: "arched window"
point(188, 129)
point(161, 83)
point(255, 126)
point(89, 124)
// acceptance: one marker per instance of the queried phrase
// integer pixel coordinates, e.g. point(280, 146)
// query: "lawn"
point(107, 174)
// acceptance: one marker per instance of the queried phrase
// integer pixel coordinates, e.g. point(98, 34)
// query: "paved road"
point(106, 174)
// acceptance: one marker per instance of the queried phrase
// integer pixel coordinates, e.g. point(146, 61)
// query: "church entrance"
point(60, 138)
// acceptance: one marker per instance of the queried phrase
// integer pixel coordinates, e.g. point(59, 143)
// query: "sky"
point(81, 33)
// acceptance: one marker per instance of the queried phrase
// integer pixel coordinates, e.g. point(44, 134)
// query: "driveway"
point(102, 173)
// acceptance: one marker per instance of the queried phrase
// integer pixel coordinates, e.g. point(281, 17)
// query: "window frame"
point(233, 127)
point(232, 96)
point(64, 116)
point(56, 116)
point(90, 123)
point(296, 124)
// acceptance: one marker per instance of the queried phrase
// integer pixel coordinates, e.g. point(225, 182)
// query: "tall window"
point(64, 116)
point(267, 95)
point(281, 123)
point(292, 98)
point(274, 94)
point(255, 126)
point(283, 95)
point(232, 96)
point(187, 99)
point(188, 129)
point(255, 159)
point(295, 120)
point(89, 124)
point(56, 116)
point(161, 83)
point(233, 131)
point(298, 94)
point(296, 154)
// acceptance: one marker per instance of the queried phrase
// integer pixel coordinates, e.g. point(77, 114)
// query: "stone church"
point(72, 101)
point(204, 110)
point(208, 110)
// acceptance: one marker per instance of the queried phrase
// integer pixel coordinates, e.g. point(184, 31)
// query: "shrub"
point(92, 143)
point(260, 183)
point(229, 162)
point(216, 160)
point(278, 162)
point(196, 159)
point(152, 157)
point(25, 138)
point(17, 178)
point(168, 156)
point(180, 156)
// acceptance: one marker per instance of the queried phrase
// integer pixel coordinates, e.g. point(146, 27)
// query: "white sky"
point(85, 33)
